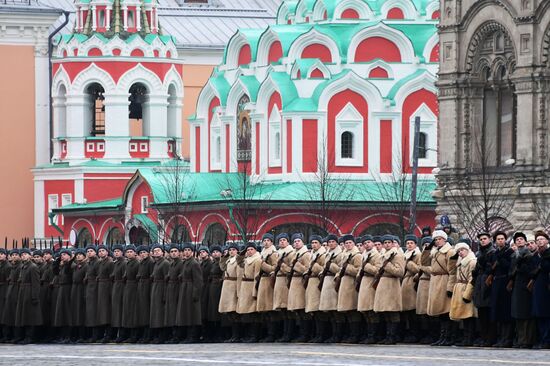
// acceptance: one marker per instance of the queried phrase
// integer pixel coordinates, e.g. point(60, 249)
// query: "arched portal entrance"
point(215, 234)
point(180, 235)
point(383, 229)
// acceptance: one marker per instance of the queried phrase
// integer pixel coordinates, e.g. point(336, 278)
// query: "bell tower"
point(117, 85)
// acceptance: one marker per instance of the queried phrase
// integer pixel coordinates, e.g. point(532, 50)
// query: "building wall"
point(17, 147)
point(194, 78)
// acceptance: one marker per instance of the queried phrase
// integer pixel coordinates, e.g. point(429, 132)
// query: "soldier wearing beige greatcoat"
point(280, 292)
point(265, 290)
point(371, 263)
point(246, 303)
point(300, 260)
point(442, 270)
point(347, 294)
point(228, 298)
point(328, 302)
point(427, 323)
point(408, 291)
point(313, 293)
point(387, 299)
point(462, 307)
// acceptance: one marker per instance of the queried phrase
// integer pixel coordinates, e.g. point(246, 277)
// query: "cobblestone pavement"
point(265, 354)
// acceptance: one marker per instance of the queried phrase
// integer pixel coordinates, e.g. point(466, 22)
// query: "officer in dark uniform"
point(5, 269)
point(90, 279)
point(481, 297)
point(158, 294)
point(10, 305)
point(46, 288)
point(117, 292)
point(62, 268)
point(206, 266)
point(28, 315)
point(172, 294)
point(78, 295)
point(214, 288)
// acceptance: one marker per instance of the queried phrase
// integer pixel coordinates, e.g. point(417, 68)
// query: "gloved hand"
point(449, 294)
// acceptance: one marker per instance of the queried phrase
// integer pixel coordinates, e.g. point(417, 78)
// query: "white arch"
point(60, 78)
point(265, 92)
point(425, 80)
point(173, 77)
point(355, 83)
point(142, 75)
point(382, 30)
point(282, 13)
point(205, 97)
point(321, 66)
point(184, 218)
point(94, 42)
point(409, 11)
point(90, 75)
point(360, 6)
point(105, 234)
point(224, 220)
point(300, 13)
point(86, 221)
point(319, 11)
point(264, 44)
point(383, 64)
point(313, 37)
point(300, 214)
point(236, 92)
point(233, 49)
point(430, 44)
point(383, 214)
point(432, 8)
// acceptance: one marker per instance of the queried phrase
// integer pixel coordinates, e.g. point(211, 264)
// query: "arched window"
point(180, 234)
point(139, 236)
point(138, 122)
point(97, 109)
point(346, 143)
point(218, 149)
point(494, 61)
point(277, 146)
point(115, 236)
point(215, 235)
point(84, 238)
point(422, 145)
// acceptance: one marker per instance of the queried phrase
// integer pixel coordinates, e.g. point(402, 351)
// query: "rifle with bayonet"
point(342, 272)
point(307, 275)
point(262, 273)
point(277, 269)
point(381, 271)
point(291, 272)
point(325, 271)
point(491, 276)
point(359, 278)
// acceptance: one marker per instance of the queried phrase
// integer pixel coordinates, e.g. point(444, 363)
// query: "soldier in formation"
point(290, 289)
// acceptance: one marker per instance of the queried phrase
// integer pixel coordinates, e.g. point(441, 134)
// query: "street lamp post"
point(414, 178)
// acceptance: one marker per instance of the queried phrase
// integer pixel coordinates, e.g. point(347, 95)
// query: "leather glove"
point(466, 301)
point(449, 294)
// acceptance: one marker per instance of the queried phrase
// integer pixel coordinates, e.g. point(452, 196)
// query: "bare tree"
point(541, 205)
point(176, 186)
point(327, 195)
point(392, 193)
point(482, 199)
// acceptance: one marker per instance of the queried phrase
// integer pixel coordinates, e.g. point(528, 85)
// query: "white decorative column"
point(138, 17)
point(174, 115)
point(94, 17)
point(155, 111)
point(117, 126)
point(125, 17)
point(108, 17)
point(42, 133)
point(78, 112)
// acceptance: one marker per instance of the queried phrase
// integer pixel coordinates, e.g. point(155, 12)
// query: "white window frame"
point(90, 147)
point(215, 134)
point(428, 125)
point(64, 147)
point(53, 203)
point(144, 204)
point(143, 147)
point(133, 147)
point(349, 120)
point(100, 147)
point(66, 199)
point(274, 128)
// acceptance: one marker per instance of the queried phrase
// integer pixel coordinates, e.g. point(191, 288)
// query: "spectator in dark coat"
point(541, 290)
point(482, 291)
point(501, 299)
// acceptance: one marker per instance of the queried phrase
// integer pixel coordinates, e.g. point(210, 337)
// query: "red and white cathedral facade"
point(334, 87)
